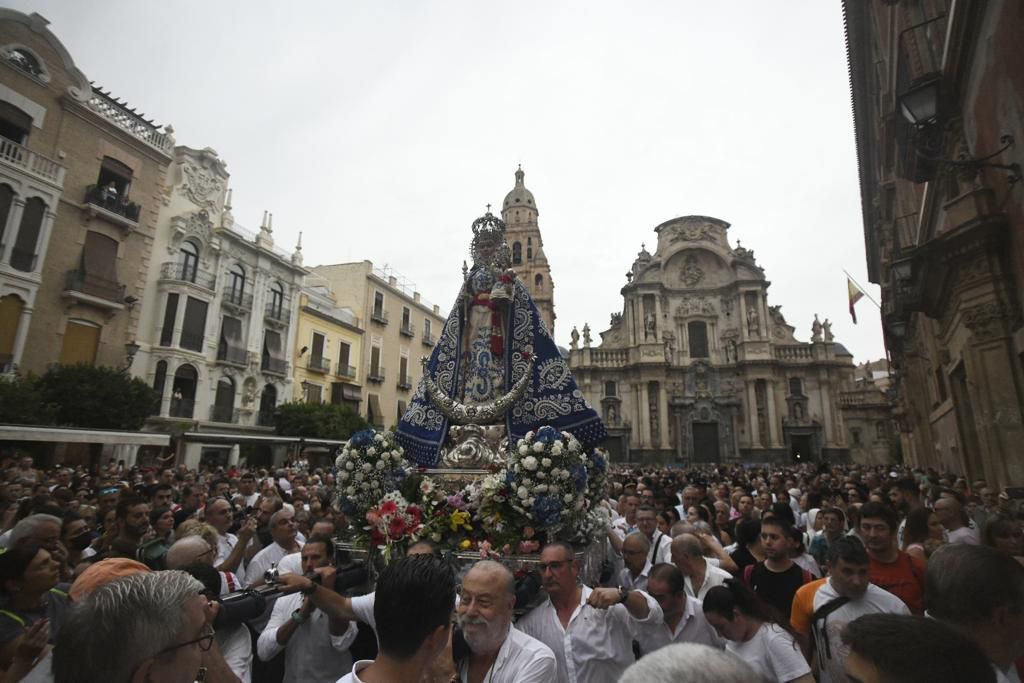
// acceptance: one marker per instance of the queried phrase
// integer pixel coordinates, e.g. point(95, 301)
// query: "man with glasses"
point(684, 620)
point(591, 631)
point(148, 627)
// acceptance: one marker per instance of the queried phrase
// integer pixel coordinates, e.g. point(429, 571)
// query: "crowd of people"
point(721, 573)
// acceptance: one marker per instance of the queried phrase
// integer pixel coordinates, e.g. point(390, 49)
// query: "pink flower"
point(485, 549)
point(528, 547)
point(388, 508)
point(414, 513)
point(372, 517)
point(507, 549)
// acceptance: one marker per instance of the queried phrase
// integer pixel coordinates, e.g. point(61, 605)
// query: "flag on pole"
point(855, 293)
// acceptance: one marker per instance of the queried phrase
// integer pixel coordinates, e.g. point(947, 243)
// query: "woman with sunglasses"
point(30, 594)
point(755, 634)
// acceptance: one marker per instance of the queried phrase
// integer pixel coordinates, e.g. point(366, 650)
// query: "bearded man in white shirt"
point(591, 631)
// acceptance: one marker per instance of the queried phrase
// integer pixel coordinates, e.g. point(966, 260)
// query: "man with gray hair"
point(635, 550)
point(283, 534)
point(700, 576)
point(41, 529)
point(980, 591)
point(148, 627)
point(690, 662)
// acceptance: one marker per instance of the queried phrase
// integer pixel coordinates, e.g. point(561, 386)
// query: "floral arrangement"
point(369, 466)
point(395, 521)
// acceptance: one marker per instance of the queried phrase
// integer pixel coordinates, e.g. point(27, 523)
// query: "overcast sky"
point(381, 129)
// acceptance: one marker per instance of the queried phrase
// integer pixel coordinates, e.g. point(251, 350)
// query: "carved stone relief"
point(201, 186)
point(691, 274)
point(694, 233)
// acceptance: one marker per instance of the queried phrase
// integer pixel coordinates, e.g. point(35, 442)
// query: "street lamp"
point(920, 104)
point(130, 349)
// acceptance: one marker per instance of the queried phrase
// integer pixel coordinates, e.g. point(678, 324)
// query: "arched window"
point(6, 197)
point(23, 255)
point(268, 403)
point(189, 261)
point(26, 61)
point(236, 284)
point(538, 282)
point(224, 401)
point(183, 394)
point(517, 252)
point(276, 300)
point(529, 248)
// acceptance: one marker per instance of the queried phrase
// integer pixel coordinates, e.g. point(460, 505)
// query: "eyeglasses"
point(205, 642)
point(553, 566)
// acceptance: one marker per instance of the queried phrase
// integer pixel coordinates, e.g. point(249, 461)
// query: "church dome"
point(519, 196)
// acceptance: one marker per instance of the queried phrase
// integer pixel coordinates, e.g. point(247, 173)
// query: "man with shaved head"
point(954, 520)
point(688, 557)
point(497, 651)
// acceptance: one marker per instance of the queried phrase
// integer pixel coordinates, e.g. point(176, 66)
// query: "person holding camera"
point(315, 644)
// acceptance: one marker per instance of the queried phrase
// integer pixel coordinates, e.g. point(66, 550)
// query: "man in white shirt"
point(315, 644)
point(230, 548)
point(591, 631)
point(684, 620)
point(498, 652)
point(823, 608)
point(700, 575)
point(282, 532)
point(954, 520)
point(635, 550)
point(247, 489)
point(414, 600)
point(661, 545)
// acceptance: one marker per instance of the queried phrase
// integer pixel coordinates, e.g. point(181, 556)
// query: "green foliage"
point(21, 402)
point(317, 420)
point(96, 397)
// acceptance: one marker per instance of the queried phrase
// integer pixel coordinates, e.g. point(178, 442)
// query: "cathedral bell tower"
point(519, 212)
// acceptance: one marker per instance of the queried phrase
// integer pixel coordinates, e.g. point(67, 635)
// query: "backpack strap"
point(14, 617)
point(821, 614)
point(808, 576)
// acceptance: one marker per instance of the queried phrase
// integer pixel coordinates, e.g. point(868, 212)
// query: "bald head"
point(489, 570)
point(189, 550)
point(637, 541)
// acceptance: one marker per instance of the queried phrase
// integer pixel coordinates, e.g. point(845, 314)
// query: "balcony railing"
point(278, 312)
point(94, 285)
point(794, 352)
point(319, 364)
point(192, 341)
point(347, 371)
point(240, 300)
point(30, 162)
point(405, 382)
point(428, 339)
point(376, 374)
point(274, 366)
point(110, 202)
point(180, 272)
point(407, 330)
point(114, 111)
point(379, 316)
point(182, 407)
point(225, 414)
point(265, 418)
point(233, 355)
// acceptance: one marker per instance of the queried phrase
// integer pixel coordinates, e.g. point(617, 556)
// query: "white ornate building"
point(699, 368)
point(216, 329)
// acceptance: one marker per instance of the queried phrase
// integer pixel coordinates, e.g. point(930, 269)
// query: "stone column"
point(645, 415)
point(773, 426)
point(233, 455)
point(11, 231)
point(193, 453)
point(664, 416)
point(754, 437)
point(165, 396)
point(21, 335)
point(744, 333)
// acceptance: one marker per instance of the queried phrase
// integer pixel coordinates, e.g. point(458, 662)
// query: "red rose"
point(388, 508)
point(396, 527)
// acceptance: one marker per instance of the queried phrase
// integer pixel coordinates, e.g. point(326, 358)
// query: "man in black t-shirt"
point(777, 578)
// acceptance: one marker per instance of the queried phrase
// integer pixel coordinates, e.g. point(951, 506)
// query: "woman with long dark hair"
point(922, 533)
point(754, 633)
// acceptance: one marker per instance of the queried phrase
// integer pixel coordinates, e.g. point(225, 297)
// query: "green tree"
point(96, 397)
point(317, 420)
point(21, 402)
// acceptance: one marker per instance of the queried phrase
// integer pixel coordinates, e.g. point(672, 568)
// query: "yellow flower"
point(459, 518)
point(465, 545)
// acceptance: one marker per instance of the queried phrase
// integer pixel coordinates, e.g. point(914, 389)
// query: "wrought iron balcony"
point(181, 272)
point(27, 161)
point(319, 364)
point(278, 312)
point(428, 339)
point(232, 355)
point(225, 414)
point(379, 316)
point(97, 288)
point(406, 329)
point(348, 371)
point(376, 374)
point(239, 300)
point(182, 407)
point(274, 366)
point(405, 382)
point(112, 206)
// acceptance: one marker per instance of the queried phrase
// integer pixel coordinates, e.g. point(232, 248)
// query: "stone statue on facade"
point(753, 322)
point(586, 335)
point(826, 327)
point(816, 330)
point(575, 336)
point(669, 340)
point(650, 326)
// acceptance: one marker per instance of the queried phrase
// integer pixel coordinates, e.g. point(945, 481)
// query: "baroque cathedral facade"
point(699, 368)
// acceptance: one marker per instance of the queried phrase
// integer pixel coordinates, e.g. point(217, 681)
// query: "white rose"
point(546, 462)
point(380, 464)
point(367, 467)
point(350, 491)
point(541, 475)
point(527, 482)
point(568, 498)
point(521, 443)
point(343, 476)
point(523, 450)
point(348, 465)
point(529, 435)
point(530, 463)
point(378, 437)
point(371, 451)
point(523, 493)
point(574, 446)
point(359, 476)
point(538, 447)
point(541, 488)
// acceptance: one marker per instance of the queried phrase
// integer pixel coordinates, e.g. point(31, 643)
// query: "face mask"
point(81, 541)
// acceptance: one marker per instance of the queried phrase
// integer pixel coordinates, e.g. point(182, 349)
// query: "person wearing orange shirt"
point(891, 568)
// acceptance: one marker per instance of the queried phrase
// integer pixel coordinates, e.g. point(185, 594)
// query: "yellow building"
point(328, 348)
